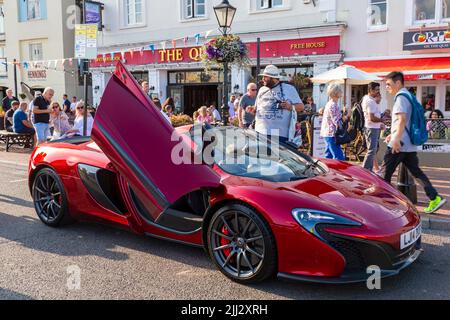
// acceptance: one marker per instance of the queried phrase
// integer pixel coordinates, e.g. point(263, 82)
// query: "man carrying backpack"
point(408, 132)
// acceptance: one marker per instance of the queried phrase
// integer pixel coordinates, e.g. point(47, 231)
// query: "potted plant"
point(181, 120)
point(225, 48)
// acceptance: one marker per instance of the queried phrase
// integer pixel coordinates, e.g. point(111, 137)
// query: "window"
point(134, 12)
point(2, 20)
point(431, 11)
point(187, 77)
point(3, 64)
point(428, 97)
point(36, 52)
point(140, 76)
point(377, 14)
point(446, 10)
point(194, 9)
point(447, 100)
point(33, 9)
point(268, 4)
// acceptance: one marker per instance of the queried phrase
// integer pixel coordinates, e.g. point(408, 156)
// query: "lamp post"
point(225, 14)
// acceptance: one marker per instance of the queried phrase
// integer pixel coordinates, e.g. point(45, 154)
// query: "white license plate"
point(409, 238)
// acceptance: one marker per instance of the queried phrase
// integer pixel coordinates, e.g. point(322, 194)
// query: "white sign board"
point(319, 145)
point(86, 41)
point(435, 148)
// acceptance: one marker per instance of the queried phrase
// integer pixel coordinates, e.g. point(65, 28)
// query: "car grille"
point(352, 254)
point(359, 254)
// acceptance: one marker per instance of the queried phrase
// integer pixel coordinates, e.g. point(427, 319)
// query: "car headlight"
point(309, 219)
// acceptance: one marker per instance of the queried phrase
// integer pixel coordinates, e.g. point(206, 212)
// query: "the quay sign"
point(426, 40)
point(178, 55)
point(269, 49)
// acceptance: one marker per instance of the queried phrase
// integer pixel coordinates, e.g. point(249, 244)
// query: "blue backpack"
point(417, 130)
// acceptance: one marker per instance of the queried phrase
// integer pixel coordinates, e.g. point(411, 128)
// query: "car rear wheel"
point(241, 244)
point(50, 199)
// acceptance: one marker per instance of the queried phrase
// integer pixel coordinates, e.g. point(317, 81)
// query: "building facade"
point(39, 35)
point(160, 41)
point(412, 36)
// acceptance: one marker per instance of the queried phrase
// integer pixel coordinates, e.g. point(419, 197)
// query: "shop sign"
point(269, 49)
point(93, 13)
point(426, 40)
point(425, 77)
point(37, 74)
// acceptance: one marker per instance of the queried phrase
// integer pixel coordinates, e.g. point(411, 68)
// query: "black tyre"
point(50, 200)
point(241, 244)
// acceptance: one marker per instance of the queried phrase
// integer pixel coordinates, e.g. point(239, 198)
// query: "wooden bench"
point(18, 139)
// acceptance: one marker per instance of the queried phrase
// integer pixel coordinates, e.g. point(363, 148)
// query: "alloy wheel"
point(47, 198)
point(237, 244)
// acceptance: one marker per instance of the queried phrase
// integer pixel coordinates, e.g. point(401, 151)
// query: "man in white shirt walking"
point(373, 123)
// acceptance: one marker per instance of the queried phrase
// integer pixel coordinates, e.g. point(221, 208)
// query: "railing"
point(438, 129)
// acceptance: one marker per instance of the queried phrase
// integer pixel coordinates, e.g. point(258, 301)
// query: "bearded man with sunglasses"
point(274, 104)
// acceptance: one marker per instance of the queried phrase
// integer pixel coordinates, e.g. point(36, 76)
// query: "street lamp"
point(225, 14)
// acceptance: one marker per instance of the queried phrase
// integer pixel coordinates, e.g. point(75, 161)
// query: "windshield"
point(245, 153)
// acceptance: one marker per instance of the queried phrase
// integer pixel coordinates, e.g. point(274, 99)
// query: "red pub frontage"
point(179, 73)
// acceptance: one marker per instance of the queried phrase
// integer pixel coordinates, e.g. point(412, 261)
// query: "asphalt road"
point(115, 264)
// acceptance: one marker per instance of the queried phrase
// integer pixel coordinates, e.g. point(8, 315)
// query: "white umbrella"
point(346, 74)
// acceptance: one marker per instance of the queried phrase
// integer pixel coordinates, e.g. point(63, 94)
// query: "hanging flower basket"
point(223, 49)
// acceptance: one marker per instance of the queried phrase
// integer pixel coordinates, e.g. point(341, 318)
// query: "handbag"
point(342, 135)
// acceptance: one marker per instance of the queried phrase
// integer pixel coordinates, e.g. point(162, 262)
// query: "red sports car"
point(257, 210)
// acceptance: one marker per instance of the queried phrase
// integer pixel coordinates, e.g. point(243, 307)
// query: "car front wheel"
point(241, 244)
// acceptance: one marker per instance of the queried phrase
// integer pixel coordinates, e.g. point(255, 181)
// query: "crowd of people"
point(400, 149)
point(44, 117)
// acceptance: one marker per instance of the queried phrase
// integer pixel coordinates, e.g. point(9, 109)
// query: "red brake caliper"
point(224, 242)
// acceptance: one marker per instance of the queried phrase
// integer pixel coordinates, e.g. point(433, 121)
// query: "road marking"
point(14, 163)
point(21, 180)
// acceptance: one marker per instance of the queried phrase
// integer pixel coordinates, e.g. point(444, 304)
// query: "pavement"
point(91, 261)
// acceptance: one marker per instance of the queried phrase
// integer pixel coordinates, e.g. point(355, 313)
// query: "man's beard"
point(271, 83)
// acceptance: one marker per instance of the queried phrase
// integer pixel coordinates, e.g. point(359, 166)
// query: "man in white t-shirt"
point(31, 106)
point(231, 107)
point(73, 105)
point(215, 113)
point(274, 104)
point(372, 126)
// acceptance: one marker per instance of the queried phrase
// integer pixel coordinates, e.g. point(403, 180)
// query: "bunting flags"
point(54, 64)
point(208, 33)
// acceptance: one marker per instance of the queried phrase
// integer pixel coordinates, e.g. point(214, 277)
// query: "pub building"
point(179, 73)
point(425, 62)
